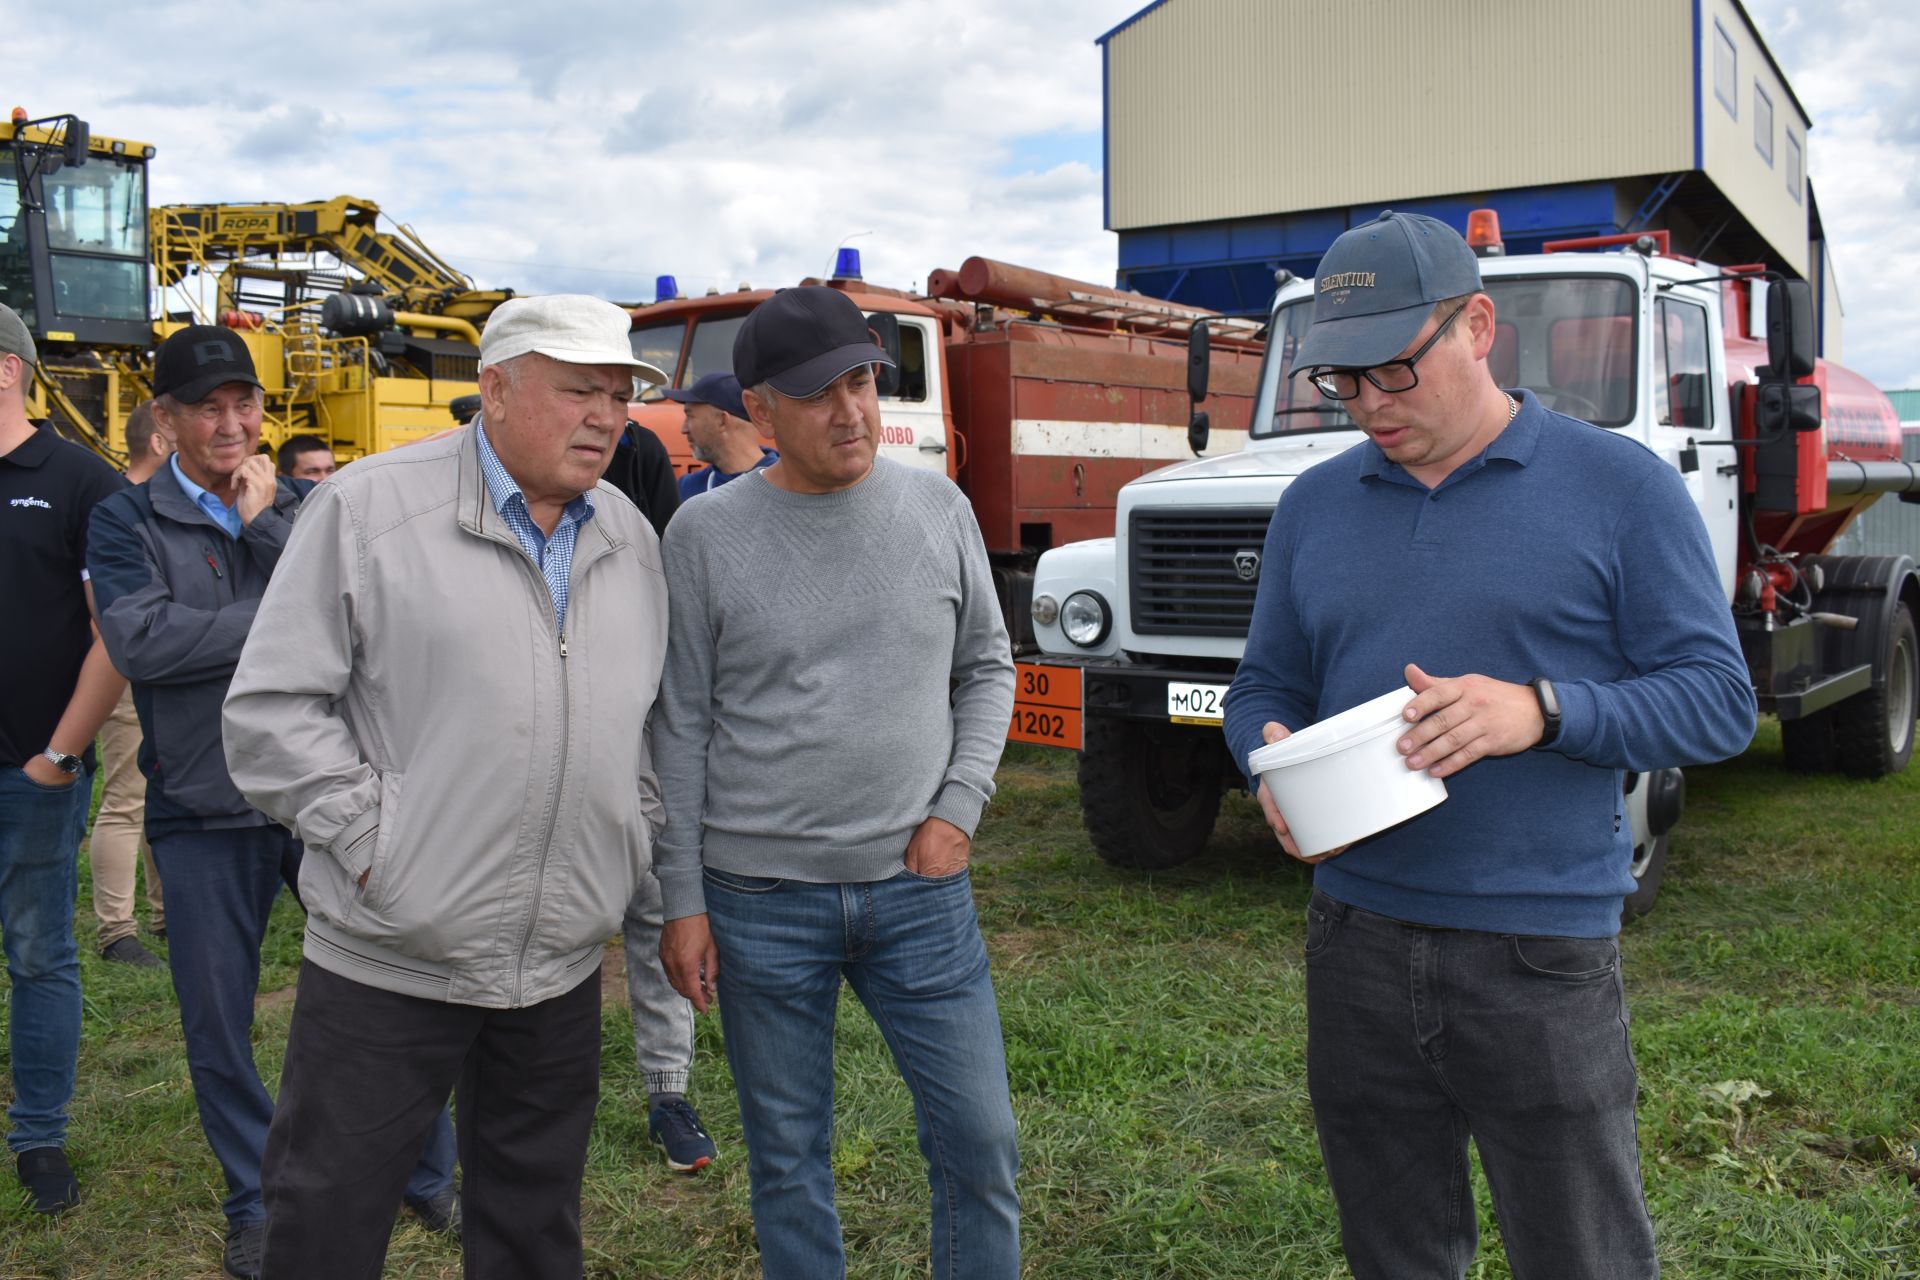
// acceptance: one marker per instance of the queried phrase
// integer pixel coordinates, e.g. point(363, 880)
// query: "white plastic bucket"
point(1342, 779)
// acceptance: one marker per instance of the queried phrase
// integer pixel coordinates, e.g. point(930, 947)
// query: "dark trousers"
point(223, 884)
point(366, 1072)
point(1418, 1038)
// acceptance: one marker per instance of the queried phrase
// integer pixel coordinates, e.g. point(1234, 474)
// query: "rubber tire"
point(1647, 885)
point(1149, 793)
point(1808, 743)
point(1867, 742)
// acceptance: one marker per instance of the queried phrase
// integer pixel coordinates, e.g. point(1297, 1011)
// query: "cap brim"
point(568, 355)
point(810, 376)
point(681, 396)
point(198, 389)
point(1359, 342)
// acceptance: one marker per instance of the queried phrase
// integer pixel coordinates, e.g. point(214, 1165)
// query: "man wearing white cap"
point(445, 695)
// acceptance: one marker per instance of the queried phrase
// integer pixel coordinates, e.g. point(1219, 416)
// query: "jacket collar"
point(477, 514)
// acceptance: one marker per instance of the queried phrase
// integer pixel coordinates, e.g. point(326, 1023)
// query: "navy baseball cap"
point(1377, 285)
point(196, 360)
point(721, 390)
point(801, 339)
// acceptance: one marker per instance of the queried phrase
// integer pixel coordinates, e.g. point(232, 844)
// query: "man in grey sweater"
point(836, 695)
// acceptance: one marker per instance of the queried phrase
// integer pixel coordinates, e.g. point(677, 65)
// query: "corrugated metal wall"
point(1729, 149)
point(1236, 108)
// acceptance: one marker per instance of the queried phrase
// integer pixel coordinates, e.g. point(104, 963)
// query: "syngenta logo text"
point(42, 503)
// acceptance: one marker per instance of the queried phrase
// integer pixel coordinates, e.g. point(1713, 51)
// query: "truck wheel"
point(1649, 864)
point(1873, 731)
point(1149, 793)
point(1808, 743)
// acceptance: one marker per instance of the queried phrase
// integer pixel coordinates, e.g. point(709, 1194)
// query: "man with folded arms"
point(445, 696)
point(836, 699)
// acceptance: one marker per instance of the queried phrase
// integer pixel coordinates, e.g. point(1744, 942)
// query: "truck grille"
point(1186, 572)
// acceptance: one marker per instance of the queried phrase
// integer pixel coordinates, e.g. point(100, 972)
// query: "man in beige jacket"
point(445, 696)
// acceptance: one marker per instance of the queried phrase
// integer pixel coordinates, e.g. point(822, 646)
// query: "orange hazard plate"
point(1046, 705)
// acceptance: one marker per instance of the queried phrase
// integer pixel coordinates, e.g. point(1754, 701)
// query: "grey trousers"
point(1417, 1039)
point(662, 1018)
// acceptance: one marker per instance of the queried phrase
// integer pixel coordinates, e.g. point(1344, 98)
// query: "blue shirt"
point(1562, 551)
point(226, 517)
point(711, 477)
point(554, 554)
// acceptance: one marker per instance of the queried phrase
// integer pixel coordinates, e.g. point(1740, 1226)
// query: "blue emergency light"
point(664, 288)
point(846, 264)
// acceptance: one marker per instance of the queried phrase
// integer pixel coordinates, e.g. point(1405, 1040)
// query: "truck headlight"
point(1045, 610)
point(1084, 618)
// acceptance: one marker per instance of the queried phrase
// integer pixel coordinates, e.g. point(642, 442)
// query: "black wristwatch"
point(1549, 709)
point(67, 764)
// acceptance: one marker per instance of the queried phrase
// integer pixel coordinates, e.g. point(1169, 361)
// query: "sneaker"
point(47, 1176)
point(128, 950)
point(246, 1248)
point(439, 1214)
point(675, 1126)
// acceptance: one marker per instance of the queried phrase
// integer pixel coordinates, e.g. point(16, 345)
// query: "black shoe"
point(45, 1173)
point(246, 1249)
point(128, 950)
point(439, 1214)
point(160, 933)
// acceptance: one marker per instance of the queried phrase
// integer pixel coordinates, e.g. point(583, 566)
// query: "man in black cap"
point(1548, 593)
point(718, 434)
point(59, 687)
point(179, 565)
point(822, 777)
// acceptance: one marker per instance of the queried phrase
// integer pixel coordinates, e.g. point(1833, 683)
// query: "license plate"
point(1194, 703)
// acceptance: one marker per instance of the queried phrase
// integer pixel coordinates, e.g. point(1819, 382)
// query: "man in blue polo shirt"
point(718, 434)
point(1549, 593)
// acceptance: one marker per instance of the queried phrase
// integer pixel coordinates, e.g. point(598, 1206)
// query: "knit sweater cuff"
point(683, 892)
point(961, 805)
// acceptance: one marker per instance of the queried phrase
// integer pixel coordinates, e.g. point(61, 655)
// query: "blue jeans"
point(910, 948)
point(40, 830)
point(219, 888)
point(1420, 1037)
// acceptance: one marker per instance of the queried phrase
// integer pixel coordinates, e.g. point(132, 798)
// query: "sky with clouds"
point(593, 145)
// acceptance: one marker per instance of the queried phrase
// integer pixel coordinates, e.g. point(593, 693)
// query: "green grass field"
point(1155, 1036)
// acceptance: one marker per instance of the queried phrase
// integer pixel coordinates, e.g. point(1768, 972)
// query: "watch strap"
point(64, 762)
point(1549, 700)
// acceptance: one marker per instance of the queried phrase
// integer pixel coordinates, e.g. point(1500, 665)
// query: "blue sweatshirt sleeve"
point(1276, 679)
point(1688, 699)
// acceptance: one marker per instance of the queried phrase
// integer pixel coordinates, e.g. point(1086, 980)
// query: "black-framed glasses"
point(1392, 377)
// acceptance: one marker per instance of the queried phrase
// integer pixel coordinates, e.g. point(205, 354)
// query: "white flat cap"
point(569, 327)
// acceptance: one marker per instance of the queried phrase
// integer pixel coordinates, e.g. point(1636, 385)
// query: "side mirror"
point(1790, 329)
point(884, 328)
point(1199, 361)
point(74, 141)
point(1198, 429)
point(1785, 406)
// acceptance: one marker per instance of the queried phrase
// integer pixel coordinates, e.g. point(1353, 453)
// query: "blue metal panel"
point(1229, 265)
point(1130, 21)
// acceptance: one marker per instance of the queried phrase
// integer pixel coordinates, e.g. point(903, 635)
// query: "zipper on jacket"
point(553, 816)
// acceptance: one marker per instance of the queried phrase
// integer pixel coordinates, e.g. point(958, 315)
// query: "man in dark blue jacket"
point(1548, 592)
point(179, 564)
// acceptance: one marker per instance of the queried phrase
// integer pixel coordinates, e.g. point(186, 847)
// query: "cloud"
point(597, 144)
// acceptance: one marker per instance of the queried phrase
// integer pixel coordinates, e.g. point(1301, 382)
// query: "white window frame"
point(1726, 88)
point(1763, 122)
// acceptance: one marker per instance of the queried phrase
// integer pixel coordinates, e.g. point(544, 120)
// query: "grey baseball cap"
point(14, 338)
point(1376, 285)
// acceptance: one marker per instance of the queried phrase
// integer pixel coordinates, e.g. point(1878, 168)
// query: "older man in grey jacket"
point(445, 696)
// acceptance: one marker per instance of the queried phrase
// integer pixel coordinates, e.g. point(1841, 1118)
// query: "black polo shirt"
point(48, 487)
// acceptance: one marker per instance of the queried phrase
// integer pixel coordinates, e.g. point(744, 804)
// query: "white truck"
point(1140, 633)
